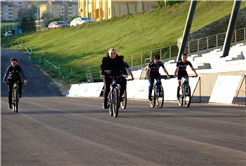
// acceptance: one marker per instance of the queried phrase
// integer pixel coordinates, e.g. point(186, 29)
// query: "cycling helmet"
point(157, 56)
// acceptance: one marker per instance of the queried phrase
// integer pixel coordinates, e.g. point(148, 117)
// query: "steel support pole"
point(231, 28)
point(187, 28)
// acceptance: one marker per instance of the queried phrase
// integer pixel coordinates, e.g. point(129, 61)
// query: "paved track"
point(77, 131)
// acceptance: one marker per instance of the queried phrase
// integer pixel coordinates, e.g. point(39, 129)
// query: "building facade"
point(21, 4)
point(63, 9)
point(107, 9)
point(9, 12)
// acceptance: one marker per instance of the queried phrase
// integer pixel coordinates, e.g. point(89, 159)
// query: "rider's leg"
point(123, 87)
point(20, 89)
point(151, 82)
point(10, 88)
point(178, 88)
point(107, 82)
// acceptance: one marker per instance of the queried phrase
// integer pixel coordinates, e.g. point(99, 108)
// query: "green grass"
point(85, 45)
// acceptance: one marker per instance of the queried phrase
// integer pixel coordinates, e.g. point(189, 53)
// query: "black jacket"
point(14, 73)
point(112, 67)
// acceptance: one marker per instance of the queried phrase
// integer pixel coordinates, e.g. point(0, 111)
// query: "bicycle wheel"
point(160, 96)
point(110, 104)
point(124, 100)
point(153, 98)
point(15, 101)
point(187, 95)
point(181, 97)
point(115, 102)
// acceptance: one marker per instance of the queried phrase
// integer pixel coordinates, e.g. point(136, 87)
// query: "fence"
point(11, 27)
point(192, 47)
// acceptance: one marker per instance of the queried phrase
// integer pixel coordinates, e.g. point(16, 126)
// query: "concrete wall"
point(208, 81)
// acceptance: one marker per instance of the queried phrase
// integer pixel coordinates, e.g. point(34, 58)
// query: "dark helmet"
point(157, 56)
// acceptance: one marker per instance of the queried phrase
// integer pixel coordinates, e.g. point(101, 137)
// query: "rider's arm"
point(129, 70)
point(6, 73)
point(148, 71)
point(165, 70)
point(176, 71)
point(192, 68)
point(194, 71)
point(102, 68)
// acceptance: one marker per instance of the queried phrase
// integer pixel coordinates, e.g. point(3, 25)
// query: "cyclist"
point(153, 73)
point(127, 67)
point(13, 72)
point(181, 71)
point(112, 65)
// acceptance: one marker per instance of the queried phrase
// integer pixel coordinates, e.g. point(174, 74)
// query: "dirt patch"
point(60, 84)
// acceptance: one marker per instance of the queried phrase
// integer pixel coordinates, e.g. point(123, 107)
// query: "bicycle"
point(158, 95)
point(185, 94)
point(15, 97)
point(113, 97)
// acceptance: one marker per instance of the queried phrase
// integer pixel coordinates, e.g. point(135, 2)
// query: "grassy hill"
point(84, 46)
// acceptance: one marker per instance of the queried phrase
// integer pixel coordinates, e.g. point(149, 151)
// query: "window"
point(74, 13)
point(20, 3)
point(74, 5)
point(70, 13)
point(58, 5)
point(149, 8)
point(57, 9)
point(10, 6)
point(62, 13)
point(58, 13)
point(10, 10)
point(74, 9)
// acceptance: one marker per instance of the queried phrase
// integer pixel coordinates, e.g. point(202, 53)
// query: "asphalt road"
point(54, 130)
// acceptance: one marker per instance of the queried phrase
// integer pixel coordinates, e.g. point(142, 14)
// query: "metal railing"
point(191, 47)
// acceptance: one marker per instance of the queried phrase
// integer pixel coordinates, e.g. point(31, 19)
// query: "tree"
point(27, 24)
point(71, 19)
point(22, 13)
point(53, 19)
point(47, 16)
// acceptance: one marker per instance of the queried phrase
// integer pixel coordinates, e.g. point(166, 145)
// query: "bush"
point(51, 20)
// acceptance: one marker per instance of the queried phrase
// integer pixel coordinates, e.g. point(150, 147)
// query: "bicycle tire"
point(110, 104)
point(124, 100)
point(187, 95)
point(152, 102)
point(180, 101)
point(160, 96)
point(115, 103)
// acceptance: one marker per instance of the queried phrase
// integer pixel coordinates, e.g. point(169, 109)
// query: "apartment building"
point(21, 4)
point(66, 9)
point(9, 12)
point(107, 9)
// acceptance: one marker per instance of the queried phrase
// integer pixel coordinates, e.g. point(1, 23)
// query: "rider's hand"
point(147, 77)
point(25, 82)
point(132, 78)
point(168, 77)
point(125, 76)
point(102, 76)
point(176, 75)
point(5, 82)
point(196, 75)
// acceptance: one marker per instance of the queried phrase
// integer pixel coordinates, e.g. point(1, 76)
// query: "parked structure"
point(107, 9)
point(8, 12)
point(63, 9)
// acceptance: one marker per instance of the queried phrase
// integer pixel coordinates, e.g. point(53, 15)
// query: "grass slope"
point(84, 46)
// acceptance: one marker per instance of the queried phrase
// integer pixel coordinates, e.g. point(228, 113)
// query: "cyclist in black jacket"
point(112, 65)
point(153, 73)
point(181, 71)
point(13, 72)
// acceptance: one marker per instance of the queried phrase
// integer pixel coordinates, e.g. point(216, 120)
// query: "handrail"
point(192, 46)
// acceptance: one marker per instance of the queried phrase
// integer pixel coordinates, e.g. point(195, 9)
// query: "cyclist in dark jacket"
point(13, 72)
point(112, 65)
